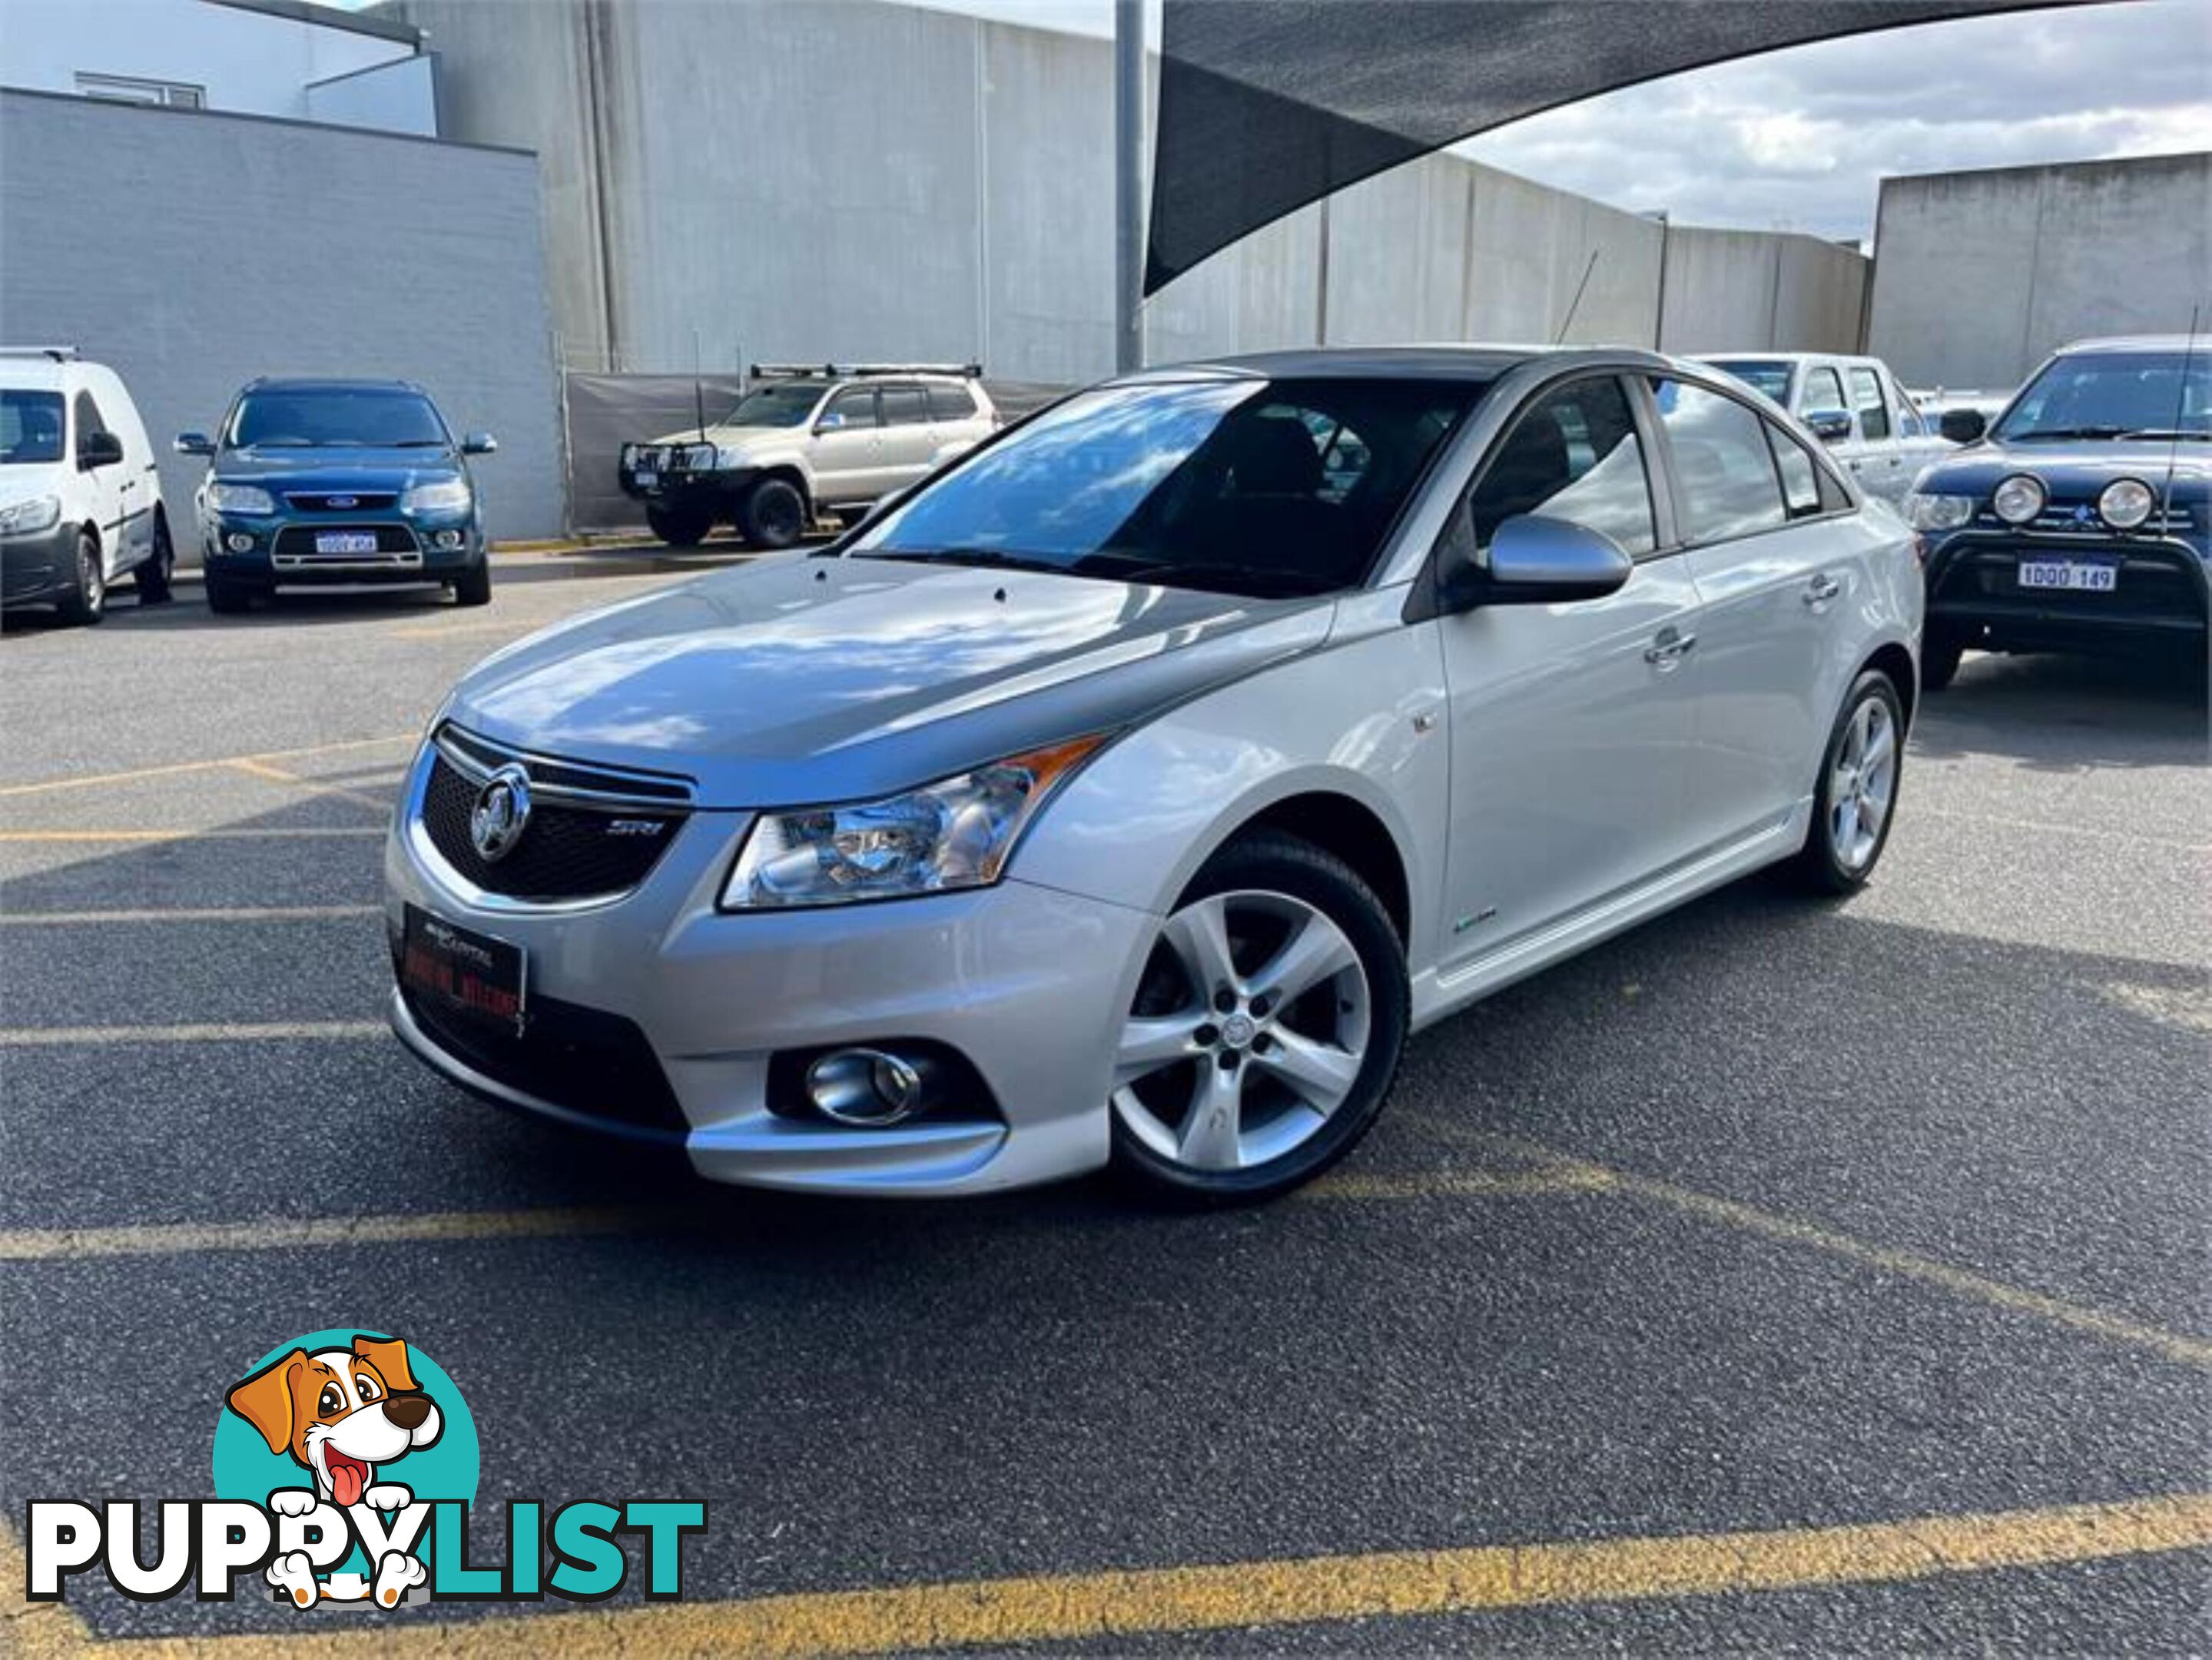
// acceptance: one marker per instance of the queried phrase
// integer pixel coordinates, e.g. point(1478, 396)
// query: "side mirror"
point(193, 443)
point(1535, 561)
point(98, 449)
point(479, 443)
point(1829, 426)
point(1963, 426)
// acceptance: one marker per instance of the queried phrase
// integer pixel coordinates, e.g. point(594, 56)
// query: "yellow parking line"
point(53, 919)
point(1233, 1595)
point(306, 1232)
point(2190, 1350)
point(1453, 1185)
point(316, 786)
point(52, 1036)
point(448, 630)
point(2101, 833)
point(224, 833)
point(83, 781)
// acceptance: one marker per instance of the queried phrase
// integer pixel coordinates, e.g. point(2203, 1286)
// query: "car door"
point(139, 486)
point(909, 438)
point(102, 486)
point(849, 448)
point(1753, 507)
point(1880, 460)
point(1572, 724)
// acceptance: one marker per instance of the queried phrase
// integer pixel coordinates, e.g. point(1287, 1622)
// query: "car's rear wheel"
point(153, 577)
point(1265, 1030)
point(87, 601)
point(1939, 660)
point(773, 513)
point(1857, 799)
point(473, 585)
point(680, 527)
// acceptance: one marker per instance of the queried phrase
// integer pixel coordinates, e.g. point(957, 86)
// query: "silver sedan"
point(1130, 791)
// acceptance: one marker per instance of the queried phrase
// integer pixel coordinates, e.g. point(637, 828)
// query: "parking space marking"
point(314, 785)
point(220, 833)
point(285, 1030)
point(2045, 827)
point(55, 919)
point(170, 770)
point(1223, 1597)
point(2189, 1351)
point(457, 630)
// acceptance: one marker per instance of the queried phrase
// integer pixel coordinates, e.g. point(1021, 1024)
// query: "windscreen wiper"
point(979, 558)
point(2164, 433)
point(2067, 432)
point(1196, 573)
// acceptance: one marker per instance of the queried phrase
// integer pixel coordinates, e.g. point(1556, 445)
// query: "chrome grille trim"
point(477, 758)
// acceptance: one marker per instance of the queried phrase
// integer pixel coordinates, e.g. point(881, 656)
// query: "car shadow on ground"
point(2064, 714)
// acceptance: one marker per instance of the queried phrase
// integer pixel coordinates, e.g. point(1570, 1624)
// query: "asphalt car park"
point(1769, 1276)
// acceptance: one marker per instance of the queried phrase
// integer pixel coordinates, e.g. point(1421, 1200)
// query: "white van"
point(80, 500)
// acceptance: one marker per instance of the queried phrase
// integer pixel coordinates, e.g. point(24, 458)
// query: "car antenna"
point(1575, 304)
point(2180, 408)
point(698, 388)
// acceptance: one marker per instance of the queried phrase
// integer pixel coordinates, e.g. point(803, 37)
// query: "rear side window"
point(1573, 454)
point(1866, 398)
point(951, 403)
point(855, 408)
point(1822, 391)
point(1729, 485)
point(905, 406)
point(1801, 474)
point(88, 420)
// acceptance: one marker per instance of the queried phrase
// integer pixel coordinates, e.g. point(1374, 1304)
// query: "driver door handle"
point(1821, 589)
point(1668, 648)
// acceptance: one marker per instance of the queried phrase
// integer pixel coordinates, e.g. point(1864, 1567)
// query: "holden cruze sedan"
point(338, 482)
point(1133, 788)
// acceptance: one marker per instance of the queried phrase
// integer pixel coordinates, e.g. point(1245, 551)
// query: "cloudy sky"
point(1795, 140)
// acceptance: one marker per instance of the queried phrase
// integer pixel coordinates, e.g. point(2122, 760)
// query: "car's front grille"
point(343, 501)
point(583, 1060)
point(2079, 518)
point(296, 545)
point(567, 850)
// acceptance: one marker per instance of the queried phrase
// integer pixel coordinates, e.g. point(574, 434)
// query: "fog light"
point(448, 539)
point(2126, 503)
point(2019, 499)
point(869, 1088)
point(239, 542)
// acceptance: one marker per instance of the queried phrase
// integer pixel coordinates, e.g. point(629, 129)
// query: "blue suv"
point(2081, 521)
point(338, 482)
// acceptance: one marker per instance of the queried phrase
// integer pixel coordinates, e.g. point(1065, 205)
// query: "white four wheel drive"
point(1852, 405)
point(80, 498)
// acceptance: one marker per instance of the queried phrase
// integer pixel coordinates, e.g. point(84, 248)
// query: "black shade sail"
point(1267, 105)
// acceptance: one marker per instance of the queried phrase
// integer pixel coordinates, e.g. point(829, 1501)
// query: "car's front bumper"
point(2160, 591)
point(1025, 983)
point(281, 548)
point(39, 567)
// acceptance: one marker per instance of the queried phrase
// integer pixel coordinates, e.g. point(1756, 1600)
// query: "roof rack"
point(59, 354)
point(850, 371)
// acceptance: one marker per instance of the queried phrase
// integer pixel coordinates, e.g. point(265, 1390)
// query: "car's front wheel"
point(773, 515)
point(680, 527)
point(1856, 798)
point(87, 601)
point(1265, 1030)
point(473, 585)
point(1940, 653)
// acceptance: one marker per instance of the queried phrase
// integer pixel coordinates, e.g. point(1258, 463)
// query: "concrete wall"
point(1732, 290)
point(1979, 276)
point(362, 254)
point(849, 179)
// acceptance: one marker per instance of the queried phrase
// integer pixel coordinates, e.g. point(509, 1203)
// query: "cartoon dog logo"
point(341, 1413)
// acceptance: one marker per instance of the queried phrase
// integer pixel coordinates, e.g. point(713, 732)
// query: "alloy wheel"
point(1862, 784)
point(1249, 1032)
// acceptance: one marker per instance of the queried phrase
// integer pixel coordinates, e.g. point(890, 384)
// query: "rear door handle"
point(1668, 647)
point(1821, 589)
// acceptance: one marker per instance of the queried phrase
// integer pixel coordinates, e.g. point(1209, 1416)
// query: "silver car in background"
point(1130, 791)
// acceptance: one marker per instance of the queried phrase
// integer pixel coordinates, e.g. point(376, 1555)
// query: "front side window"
point(366, 418)
point(786, 404)
point(1866, 396)
point(1725, 470)
point(2117, 394)
point(30, 427)
point(855, 407)
point(1823, 391)
point(1242, 486)
point(1573, 454)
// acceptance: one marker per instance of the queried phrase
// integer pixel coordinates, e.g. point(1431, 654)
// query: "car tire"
point(473, 585)
point(1939, 660)
point(87, 601)
point(773, 515)
point(680, 527)
point(1842, 847)
point(1222, 1095)
point(226, 598)
point(154, 577)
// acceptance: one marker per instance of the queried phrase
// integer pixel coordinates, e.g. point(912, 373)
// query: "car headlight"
point(239, 498)
point(955, 834)
point(32, 514)
point(2019, 499)
point(440, 496)
point(1934, 510)
point(729, 460)
point(2126, 503)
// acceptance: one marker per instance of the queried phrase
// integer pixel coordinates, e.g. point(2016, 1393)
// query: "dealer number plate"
point(345, 541)
point(468, 972)
point(2075, 574)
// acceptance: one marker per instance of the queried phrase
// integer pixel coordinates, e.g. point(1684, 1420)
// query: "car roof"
point(35, 374)
point(316, 383)
point(1755, 355)
point(2137, 343)
point(1447, 362)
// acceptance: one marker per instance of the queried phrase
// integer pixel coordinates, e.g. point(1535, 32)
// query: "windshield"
point(2120, 394)
point(1265, 488)
point(1764, 375)
point(30, 427)
point(367, 417)
point(788, 404)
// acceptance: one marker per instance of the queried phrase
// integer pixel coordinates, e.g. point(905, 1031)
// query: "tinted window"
point(377, 417)
point(2107, 394)
point(30, 427)
point(951, 403)
point(1240, 486)
point(1866, 398)
point(905, 406)
point(1722, 462)
point(1767, 375)
point(1801, 474)
point(1822, 392)
point(87, 419)
point(854, 408)
point(1572, 454)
